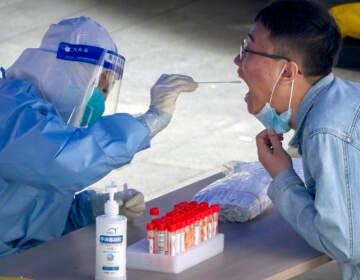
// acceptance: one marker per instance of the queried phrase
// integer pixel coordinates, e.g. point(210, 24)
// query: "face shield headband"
point(99, 91)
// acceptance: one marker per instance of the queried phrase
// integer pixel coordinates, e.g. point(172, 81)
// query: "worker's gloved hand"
point(131, 203)
point(163, 98)
point(167, 89)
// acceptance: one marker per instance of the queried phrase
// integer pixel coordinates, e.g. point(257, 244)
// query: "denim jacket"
point(325, 209)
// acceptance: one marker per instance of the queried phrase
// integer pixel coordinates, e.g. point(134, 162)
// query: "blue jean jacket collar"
point(306, 105)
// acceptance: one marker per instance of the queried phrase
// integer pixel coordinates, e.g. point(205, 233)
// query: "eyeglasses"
point(244, 49)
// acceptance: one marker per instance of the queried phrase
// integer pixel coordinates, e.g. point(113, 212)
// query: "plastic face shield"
point(97, 87)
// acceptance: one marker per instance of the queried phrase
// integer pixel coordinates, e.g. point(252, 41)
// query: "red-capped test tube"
point(186, 225)
point(172, 245)
point(154, 212)
point(161, 238)
point(215, 210)
point(151, 237)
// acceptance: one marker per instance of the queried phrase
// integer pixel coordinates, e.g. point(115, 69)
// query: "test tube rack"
point(138, 257)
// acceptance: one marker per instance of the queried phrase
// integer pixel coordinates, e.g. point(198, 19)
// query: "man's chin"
point(249, 109)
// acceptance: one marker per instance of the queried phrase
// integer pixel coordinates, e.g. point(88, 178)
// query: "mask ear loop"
point(275, 84)
point(292, 89)
point(291, 92)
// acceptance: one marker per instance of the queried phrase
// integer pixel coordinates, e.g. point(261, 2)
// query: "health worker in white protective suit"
point(57, 137)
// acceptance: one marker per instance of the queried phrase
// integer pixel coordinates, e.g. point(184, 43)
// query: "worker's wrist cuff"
point(155, 120)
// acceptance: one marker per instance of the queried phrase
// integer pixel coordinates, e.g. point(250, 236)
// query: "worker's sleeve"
point(328, 221)
point(81, 212)
point(51, 161)
point(39, 149)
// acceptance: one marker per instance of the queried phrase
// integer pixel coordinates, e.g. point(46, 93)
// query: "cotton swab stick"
point(219, 82)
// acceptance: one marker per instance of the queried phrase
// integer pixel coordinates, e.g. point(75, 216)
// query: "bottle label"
point(173, 249)
point(111, 249)
point(182, 242)
point(151, 244)
point(111, 239)
point(161, 243)
point(197, 237)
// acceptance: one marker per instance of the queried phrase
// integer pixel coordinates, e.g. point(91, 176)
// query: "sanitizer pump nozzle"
point(111, 206)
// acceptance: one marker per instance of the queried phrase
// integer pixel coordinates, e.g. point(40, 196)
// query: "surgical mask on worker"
point(94, 108)
point(268, 116)
point(98, 85)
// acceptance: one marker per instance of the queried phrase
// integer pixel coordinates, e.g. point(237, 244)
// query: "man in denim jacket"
point(287, 63)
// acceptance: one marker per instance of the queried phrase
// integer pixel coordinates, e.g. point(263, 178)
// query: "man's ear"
point(291, 71)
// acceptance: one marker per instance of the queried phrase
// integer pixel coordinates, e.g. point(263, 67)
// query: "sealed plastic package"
point(242, 193)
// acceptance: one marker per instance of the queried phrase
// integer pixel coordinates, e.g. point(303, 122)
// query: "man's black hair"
point(305, 28)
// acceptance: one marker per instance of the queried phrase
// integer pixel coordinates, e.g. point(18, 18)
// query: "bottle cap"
point(161, 226)
point(156, 221)
point(193, 204)
point(150, 226)
point(172, 227)
point(180, 205)
point(204, 204)
point(180, 224)
point(154, 211)
point(216, 207)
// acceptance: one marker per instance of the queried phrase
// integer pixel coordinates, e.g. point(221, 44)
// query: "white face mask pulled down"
point(280, 123)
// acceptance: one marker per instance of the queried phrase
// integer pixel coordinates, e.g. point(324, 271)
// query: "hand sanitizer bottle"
point(111, 241)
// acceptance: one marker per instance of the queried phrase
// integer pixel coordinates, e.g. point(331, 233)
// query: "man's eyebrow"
point(251, 37)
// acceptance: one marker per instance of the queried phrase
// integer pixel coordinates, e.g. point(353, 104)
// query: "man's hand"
point(271, 153)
